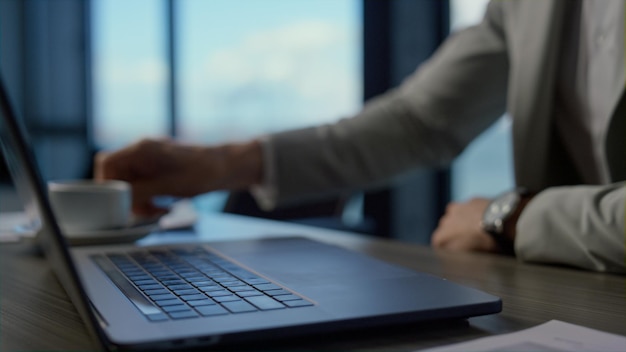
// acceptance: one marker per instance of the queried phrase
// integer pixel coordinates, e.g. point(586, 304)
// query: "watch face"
point(500, 209)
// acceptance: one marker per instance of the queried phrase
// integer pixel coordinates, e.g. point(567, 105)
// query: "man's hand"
point(460, 230)
point(164, 167)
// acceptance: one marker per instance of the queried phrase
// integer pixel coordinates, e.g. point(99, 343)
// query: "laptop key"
point(192, 297)
point(163, 297)
point(230, 298)
point(201, 302)
point(132, 271)
point(222, 278)
point(241, 288)
point(173, 282)
point(239, 272)
point(186, 292)
point(204, 282)
point(229, 283)
point(256, 281)
point(210, 288)
point(193, 277)
point(176, 308)
point(284, 298)
point(219, 293)
point(149, 287)
point(168, 302)
point(249, 293)
point(180, 287)
point(212, 273)
point(264, 302)
point(266, 287)
point(164, 275)
point(136, 278)
point(239, 307)
point(144, 282)
point(276, 292)
point(211, 310)
point(158, 291)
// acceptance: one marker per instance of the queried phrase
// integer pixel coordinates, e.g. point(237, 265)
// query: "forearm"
point(232, 166)
point(383, 140)
point(582, 226)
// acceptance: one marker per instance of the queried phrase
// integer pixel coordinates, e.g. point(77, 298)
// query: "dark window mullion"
point(87, 14)
point(172, 81)
point(398, 35)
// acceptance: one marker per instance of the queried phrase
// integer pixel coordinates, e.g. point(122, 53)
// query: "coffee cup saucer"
point(125, 234)
point(133, 232)
point(182, 215)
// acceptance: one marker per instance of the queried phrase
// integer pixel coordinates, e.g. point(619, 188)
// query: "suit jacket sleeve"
point(582, 226)
point(426, 121)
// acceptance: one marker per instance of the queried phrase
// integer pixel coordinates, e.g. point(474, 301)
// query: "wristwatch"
point(498, 212)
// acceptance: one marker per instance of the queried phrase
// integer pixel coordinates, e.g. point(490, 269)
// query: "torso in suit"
point(508, 63)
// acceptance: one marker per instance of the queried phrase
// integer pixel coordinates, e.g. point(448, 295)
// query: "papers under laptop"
point(215, 294)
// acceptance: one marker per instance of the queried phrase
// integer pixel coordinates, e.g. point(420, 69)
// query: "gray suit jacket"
point(507, 63)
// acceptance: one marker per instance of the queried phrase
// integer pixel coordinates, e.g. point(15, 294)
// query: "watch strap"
point(497, 230)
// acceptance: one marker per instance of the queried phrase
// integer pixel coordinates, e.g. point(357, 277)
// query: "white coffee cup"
point(83, 206)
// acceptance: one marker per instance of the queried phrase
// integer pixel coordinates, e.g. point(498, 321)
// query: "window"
point(243, 67)
point(485, 167)
point(129, 71)
point(249, 66)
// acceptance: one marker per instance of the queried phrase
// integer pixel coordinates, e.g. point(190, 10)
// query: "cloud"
point(302, 55)
point(300, 74)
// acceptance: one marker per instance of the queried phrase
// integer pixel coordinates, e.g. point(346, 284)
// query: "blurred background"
point(88, 75)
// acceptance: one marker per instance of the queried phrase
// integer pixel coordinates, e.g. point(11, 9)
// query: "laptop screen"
point(31, 188)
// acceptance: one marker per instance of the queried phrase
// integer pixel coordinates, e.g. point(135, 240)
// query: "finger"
point(144, 193)
point(98, 167)
point(112, 166)
point(439, 238)
point(119, 164)
point(488, 244)
point(457, 246)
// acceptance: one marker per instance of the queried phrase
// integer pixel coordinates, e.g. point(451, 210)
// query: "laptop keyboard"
point(185, 283)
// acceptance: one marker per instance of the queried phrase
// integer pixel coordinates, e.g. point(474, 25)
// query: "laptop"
point(217, 294)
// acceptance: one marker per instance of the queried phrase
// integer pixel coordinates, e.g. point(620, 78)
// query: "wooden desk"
point(37, 315)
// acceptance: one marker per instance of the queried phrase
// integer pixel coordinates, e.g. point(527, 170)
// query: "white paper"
point(182, 215)
point(553, 336)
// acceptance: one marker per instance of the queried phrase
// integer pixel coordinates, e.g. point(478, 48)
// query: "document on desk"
point(553, 336)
